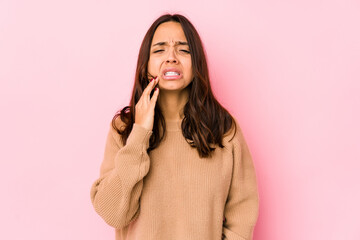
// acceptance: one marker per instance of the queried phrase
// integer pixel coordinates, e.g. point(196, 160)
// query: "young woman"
point(176, 165)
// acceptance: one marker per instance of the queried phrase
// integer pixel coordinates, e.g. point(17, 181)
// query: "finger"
point(147, 90)
point(150, 87)
point(154, 97)
point(150, 76)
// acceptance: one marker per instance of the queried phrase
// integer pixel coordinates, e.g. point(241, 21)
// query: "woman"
point(176, 165)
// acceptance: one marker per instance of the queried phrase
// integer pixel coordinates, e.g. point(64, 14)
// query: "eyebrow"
point(166, 43)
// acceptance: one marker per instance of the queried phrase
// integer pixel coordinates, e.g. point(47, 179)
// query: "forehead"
point(170, 32)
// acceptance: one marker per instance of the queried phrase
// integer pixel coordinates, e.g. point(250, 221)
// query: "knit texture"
point(173, 194)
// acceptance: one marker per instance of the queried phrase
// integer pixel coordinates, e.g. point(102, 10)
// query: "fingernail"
point(151, 80)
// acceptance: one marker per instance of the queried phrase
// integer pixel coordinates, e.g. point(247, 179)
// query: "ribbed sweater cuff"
point(139, 136)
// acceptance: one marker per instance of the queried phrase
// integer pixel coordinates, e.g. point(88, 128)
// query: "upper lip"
point(172, 69)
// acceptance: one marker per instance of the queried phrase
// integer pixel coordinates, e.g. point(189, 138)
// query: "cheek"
point(150, 63)
point(153, 64)
point(189, 67)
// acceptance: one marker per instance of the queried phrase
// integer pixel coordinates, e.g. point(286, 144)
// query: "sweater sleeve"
point(115, 194)
point(242, 205)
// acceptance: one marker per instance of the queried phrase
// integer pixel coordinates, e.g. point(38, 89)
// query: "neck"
point(172, 104)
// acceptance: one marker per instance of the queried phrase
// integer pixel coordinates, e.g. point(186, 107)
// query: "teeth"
point(171, 73)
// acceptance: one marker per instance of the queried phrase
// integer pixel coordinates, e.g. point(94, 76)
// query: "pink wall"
point(288, 70)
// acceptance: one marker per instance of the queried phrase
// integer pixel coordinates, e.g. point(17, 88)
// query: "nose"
point(171, 58)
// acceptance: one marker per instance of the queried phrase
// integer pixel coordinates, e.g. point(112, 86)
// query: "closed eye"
point(183, 50)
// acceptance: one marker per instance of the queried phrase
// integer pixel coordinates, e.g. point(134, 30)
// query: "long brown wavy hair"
point(200, 130)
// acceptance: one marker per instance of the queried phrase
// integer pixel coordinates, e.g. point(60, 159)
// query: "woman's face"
point(170, 57)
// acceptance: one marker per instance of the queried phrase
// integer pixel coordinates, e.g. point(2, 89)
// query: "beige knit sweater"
point(172, 193)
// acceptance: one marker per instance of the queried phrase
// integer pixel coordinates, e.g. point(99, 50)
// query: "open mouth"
point(172, 74)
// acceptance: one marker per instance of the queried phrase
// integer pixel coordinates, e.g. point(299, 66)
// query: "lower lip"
point(173, 77)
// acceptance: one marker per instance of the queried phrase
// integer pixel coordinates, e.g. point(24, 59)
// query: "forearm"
point(115, 195)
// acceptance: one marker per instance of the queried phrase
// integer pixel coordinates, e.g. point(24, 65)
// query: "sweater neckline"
point(173, 125)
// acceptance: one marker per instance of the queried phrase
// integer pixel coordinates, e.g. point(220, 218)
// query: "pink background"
point(288, 70)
